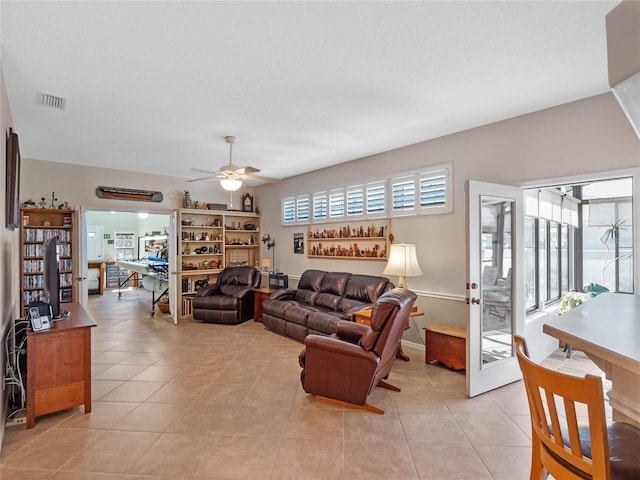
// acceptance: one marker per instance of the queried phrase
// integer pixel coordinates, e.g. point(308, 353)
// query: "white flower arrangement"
point(570, 300)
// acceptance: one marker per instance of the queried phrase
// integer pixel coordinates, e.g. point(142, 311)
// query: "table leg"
point(624, 393)
point(401, 355)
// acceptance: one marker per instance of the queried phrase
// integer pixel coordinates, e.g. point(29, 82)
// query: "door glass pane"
point(496, 258)
point(542, 263)
point(564, 258)
point(529, 262)
point(554, 260)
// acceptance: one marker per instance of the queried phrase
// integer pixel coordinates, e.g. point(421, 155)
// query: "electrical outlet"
point(18, 419)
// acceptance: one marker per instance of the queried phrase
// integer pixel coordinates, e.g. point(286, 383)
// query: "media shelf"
point(209, 241)
point(39, 225)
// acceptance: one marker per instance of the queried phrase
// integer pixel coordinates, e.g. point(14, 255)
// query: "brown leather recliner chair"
point(346, 365)
point(230, 299)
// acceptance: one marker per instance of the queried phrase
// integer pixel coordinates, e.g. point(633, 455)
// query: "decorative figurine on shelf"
point(42, 203)
point(29, 204)
point(53, 200)
point(186, 199)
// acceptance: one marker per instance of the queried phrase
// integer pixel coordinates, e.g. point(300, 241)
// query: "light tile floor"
point(203, 401)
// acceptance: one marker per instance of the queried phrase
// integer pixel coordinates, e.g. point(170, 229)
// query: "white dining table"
point(607, 329)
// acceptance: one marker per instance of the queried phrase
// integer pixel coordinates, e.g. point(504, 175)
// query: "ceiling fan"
point(231, 175)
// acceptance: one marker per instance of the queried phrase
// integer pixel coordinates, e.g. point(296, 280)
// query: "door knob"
point(475, 301)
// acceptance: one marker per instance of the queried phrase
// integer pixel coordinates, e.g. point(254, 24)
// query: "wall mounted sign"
point(128, 194)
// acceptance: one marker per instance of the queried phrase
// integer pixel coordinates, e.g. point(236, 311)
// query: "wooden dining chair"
point(560, 446)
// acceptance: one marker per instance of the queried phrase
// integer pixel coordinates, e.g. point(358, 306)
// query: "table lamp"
point(403, 263)
point(266, 263)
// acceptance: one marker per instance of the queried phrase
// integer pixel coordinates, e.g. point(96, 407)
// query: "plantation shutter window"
point(375, 198)
point(355, 200)
point(336, 203)
point(288, 210)
point(320, 206)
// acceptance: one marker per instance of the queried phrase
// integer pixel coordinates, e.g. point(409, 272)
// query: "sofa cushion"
point(276, 307)
point(309, 286)
point(324, 322)
point(216, 302)
point(382, 312)
point(361, 290)
point(231, 289)
point(236, 276)
point(297, 314)
point(332, 289)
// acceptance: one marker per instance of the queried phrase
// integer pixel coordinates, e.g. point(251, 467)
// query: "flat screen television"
point(12, 191)
point(51, 275)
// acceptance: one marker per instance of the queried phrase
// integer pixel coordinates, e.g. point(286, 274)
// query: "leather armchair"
point(346, 365)
point(230, 299)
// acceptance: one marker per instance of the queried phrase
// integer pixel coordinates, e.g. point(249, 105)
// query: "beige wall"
point(77, 184)
point(9, 286)
point(586, 136)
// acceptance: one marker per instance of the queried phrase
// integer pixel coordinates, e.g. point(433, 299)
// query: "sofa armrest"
point(351, 331)
point(283, 294)
point(337, 346)
point(208, 290)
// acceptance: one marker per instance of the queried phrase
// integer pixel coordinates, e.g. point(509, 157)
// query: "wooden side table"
point(59, 365)
point(446, 344)
point(260, 295)
point(364, 317)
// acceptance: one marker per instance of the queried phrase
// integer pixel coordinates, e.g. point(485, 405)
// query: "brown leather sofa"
point(230, 299)
point(320, 301)
point(347, 365)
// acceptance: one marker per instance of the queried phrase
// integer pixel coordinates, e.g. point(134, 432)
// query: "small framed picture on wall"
point(298, 243)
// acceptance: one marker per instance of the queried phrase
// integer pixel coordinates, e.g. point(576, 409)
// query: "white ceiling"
point(155, 86)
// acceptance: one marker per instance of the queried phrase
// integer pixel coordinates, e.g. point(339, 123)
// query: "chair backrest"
point(565, 450)
point(388, 321)
point(489, 275)
point(239, 277)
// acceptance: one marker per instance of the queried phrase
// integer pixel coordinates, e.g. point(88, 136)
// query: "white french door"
point(495, 284)
point(174, 304)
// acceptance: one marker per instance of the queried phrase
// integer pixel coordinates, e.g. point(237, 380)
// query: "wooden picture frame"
point(247, 203)
point(12, 192)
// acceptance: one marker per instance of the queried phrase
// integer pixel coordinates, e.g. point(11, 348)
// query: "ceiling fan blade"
point(258, 178)
point(201, 178)
point(212, 172)
point(246, 170)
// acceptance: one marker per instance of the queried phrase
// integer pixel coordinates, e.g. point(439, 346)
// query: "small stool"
point(446, 344)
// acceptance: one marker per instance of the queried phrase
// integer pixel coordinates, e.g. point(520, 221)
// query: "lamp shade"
point(230, 184)
point(266, 262)
point(402, 262)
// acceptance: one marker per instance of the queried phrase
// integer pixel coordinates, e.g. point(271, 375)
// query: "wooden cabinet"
point(37, 226)
point(446, 344)
point(210, 240)
point(59, 365)
point(364, 240)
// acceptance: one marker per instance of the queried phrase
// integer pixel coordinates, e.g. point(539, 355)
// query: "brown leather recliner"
point(347, 365)
point(230, 299)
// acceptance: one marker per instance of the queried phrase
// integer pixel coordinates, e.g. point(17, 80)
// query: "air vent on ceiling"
point(51, 101)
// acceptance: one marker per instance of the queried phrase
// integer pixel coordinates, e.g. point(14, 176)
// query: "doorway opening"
point(114, 237)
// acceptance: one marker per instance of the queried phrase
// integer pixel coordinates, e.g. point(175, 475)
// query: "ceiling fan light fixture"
point(230, 184)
